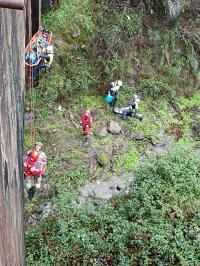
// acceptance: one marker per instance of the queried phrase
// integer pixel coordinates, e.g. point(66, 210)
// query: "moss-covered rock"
point(103, 159)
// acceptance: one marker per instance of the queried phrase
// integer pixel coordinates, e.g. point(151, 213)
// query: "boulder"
point(62, 46)
point(102, 132)
point(113, 127)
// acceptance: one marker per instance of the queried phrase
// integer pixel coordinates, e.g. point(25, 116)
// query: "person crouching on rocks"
point(132, 109)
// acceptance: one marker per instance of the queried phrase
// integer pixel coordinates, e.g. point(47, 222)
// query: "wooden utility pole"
point(12, 33)
point(36, 15)
point(14, 4)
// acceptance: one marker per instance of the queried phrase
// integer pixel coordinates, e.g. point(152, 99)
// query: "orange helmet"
point(34, 156)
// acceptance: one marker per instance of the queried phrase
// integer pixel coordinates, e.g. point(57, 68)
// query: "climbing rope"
point(33, 131)
point(30, 85)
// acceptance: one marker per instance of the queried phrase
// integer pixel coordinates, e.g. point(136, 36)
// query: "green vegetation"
point(103, 159)
point(157, 221)
point(127, 162)
point(155, 224)
point(155, 89)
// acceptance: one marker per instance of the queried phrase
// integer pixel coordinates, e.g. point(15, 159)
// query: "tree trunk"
point(12, 32)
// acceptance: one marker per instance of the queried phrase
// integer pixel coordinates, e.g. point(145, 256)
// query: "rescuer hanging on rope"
point(42, 157)
point(46, 60)
point(34, 168)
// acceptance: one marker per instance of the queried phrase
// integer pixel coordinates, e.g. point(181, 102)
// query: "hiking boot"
point(31, 192)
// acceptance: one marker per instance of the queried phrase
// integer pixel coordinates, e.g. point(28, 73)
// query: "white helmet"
point(119, 83)
point(136, 98)
point(50, 49)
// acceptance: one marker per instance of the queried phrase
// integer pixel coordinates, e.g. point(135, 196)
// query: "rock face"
point(12, 32)
point(106, 189)
point(113, 127)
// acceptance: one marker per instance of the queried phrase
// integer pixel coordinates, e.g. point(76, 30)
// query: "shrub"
point(157, 223)
point(69, 16)
point(156, 89)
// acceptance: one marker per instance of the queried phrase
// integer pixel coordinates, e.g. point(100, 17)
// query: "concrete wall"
point(12, 40)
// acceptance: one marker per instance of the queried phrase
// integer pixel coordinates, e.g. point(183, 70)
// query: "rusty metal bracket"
point(13, 4)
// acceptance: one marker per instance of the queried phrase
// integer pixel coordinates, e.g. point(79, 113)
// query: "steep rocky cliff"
point(12, 32)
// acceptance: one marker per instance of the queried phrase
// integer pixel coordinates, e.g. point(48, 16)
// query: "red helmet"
point(34, 156)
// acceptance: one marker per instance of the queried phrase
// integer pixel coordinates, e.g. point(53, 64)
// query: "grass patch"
point(189, 102)
point(127, 162)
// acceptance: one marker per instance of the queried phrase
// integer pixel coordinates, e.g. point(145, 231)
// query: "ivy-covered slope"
point(157, 221)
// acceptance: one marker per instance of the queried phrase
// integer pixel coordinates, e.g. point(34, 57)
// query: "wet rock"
point(157, 148)
point(195, 110)
point(47, 210)
point(175, 130)
point(76, 32)
point(113, 127)
point(131, 82)
point(48, 190)
point(172, 216)
point(196, 128)
point(118, 188)
point(79, 202)
point(61, 45)
point(96, 116)
point(28, 117)
point(104, 190)
point(32, 220)
point(102, 132)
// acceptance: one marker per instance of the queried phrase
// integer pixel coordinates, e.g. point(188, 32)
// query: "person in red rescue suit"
point(42, 156)
point(34, 168)
point(86, 123)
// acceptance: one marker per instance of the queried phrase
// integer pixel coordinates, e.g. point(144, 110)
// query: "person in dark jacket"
point(132, 109)
point(113, 90)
